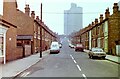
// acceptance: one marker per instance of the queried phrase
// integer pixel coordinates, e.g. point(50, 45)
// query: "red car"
point(79, 47)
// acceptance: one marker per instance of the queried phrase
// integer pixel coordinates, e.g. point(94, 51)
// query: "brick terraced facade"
point(104, 34)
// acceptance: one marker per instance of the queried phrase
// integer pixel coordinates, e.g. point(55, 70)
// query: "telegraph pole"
point(41, 34)
point(41, 11)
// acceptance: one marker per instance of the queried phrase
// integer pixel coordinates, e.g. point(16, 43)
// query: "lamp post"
point(41, 35)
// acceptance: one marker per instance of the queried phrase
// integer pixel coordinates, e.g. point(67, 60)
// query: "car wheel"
point(92, 57)
point(89, 56)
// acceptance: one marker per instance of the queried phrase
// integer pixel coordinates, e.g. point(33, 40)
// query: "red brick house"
point(8, 40)
point(23, 35)
point(104, 34)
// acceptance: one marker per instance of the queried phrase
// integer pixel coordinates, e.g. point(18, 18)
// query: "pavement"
point(13, 68)
point(112, 58)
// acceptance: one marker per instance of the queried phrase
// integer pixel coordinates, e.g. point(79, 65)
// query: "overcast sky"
point(53, 10)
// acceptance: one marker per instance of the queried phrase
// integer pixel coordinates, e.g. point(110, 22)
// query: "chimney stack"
point(107, 13)
point(37, 18)
point(96, 21)
point(89, 25)
point(92, 23)
point(115, 8)
point(101, 17)
point(10, 10)
point(33, 14)
point(27, 9)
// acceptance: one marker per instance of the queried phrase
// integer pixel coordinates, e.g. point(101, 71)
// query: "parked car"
point(79, 47)
point(96, 52)
point(71, 45)
point(54, 48)
point(60, 45)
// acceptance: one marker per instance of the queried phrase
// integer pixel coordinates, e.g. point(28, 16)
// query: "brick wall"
point(113, 32)
point(19, 52)
point(11, 43)
point(9, 11)
point(25, 26)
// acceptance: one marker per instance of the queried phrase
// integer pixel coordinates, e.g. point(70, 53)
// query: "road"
point(69, 63)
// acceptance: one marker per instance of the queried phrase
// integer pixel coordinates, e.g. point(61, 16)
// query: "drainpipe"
point(4, 43)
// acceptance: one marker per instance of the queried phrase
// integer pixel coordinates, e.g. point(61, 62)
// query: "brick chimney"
point(10, 11)
point(89, 25)
point(107, 13)
point(96, 21)
point(92, 23)
point(27, 9)
point(101, 17)
point(33, 14)
point(115, 8)
point(37, 18)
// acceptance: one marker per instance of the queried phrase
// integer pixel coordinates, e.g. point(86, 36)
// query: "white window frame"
point(3, 31)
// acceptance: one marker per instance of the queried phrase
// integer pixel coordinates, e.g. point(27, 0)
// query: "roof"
point(1, 22)
point(5, 23)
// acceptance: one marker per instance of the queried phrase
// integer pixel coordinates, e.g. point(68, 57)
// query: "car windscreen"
point(54, 45)
point(97, 50)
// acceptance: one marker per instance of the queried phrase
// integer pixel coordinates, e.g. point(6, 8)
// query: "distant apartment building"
point(119, 5)
point(73, 19)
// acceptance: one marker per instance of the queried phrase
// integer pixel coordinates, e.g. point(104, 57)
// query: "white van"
point(54, 48)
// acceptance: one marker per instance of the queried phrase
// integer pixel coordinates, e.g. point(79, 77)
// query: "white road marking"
point(84, 76)
point(74, 61)
point(79, 67)
point(25, 74)
point(72, 57)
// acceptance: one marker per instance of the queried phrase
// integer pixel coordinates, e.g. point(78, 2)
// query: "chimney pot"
point(107, 13)
point(89, 25)
point(96, 21)
point(92, 23)
point(115, 8)
point(37, 18)
point(27, 9)
point(33, 14)
point(101, 17)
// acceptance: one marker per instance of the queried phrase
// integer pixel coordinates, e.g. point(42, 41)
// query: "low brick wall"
point(16, 54)
point(19, 52)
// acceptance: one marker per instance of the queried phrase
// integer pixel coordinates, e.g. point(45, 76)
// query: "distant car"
point(60, 45)
point(54, 48)
point(96, 52)
point(71, 45)
point(79, 47)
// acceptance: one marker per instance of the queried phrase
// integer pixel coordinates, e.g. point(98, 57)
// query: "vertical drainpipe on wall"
point(4, 47)
point(90, 39)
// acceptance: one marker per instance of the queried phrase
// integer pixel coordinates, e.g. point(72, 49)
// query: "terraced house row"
point(104, 34)
point(20, 33)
